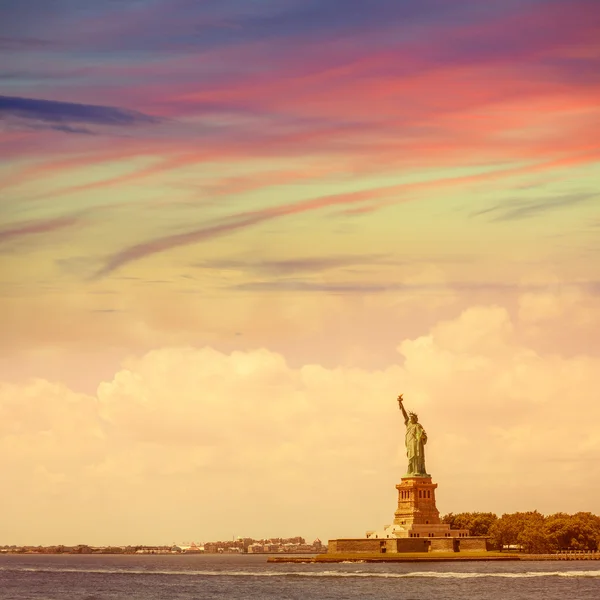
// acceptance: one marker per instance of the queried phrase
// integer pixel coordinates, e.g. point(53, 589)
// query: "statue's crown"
point(412, 414)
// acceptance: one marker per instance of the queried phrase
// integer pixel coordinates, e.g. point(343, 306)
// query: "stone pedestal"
point(417, 515)
point(416, 528)
point(416, 502)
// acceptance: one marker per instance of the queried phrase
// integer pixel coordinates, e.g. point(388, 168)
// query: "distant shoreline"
point(29, 553)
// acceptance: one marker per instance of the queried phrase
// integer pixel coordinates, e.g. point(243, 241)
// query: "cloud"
point(35, 227)
point(512, 210)
point(374, 103)
point(71, 129)
point(291, 285)
point(398, 192)
point(296, 265)
point(24, 43)
point(190, 427)
point(362, 287)
point(179, 25)
point(62, 113)
point(181, 239)
point(228, 225)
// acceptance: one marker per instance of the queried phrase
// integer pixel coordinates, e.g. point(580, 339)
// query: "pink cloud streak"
point(37, 227)
point(248, 219)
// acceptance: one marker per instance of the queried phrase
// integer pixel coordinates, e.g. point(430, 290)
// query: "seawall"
point(456, 557)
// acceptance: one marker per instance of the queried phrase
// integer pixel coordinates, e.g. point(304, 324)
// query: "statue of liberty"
point(415, 441)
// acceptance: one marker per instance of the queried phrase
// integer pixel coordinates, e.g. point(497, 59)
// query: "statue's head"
point(413, 417)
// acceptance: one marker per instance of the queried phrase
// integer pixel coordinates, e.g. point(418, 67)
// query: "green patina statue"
point(415, 441)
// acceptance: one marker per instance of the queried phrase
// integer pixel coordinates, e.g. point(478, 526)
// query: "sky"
point(232, 232)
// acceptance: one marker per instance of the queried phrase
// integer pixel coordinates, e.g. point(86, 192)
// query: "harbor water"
point(194, 577)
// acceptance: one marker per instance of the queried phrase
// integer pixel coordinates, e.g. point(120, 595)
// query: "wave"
point(367, 574)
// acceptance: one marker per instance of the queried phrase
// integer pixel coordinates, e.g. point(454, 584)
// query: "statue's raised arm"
point(400, 400)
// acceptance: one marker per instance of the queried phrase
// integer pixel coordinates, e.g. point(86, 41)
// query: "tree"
point(532, 537)
point(519, 529)
point(580, 531)
point(478, 523)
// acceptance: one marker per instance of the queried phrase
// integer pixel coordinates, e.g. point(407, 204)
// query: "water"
point(99, 577)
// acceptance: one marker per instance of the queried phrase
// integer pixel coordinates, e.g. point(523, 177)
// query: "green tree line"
point(532, 532)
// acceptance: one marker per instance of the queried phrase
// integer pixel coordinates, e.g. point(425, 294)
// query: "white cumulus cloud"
point(188, 442)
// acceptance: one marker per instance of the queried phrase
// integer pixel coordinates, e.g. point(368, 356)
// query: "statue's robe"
point(416, 438)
